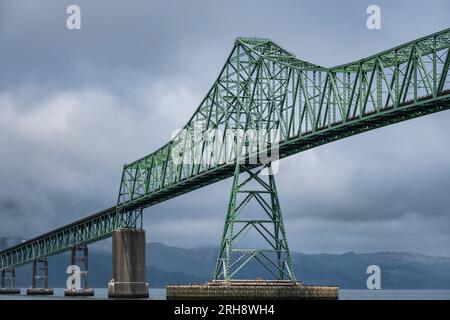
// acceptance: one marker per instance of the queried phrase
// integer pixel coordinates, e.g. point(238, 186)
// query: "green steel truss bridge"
point(297, 105)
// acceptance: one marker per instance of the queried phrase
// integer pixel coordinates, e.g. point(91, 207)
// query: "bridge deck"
point(264, 86)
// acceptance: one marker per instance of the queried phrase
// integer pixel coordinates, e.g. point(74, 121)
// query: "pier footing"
point(252, 290)
point(128, 290)
point(39, 291)
point(128, 251)
point(9, 291)
point(79, 292)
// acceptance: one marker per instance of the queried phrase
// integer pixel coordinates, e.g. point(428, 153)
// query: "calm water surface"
point(160, 294)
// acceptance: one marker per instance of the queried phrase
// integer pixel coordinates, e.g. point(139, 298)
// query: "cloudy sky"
point(77, 104)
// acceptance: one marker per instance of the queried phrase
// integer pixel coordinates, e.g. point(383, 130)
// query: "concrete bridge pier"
point(40, 276)
point(80, 258)
point(5, 288)
point(128, 265)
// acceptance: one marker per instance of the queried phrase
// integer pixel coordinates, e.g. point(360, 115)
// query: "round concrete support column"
point(128, 265)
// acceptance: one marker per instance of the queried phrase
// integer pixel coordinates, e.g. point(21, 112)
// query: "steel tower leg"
point(258, 190)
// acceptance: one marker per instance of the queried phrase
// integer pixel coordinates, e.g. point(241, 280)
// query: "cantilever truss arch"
point(265, 87)
point(267, 222)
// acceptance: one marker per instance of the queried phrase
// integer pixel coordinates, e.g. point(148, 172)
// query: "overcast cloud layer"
point(76, 105)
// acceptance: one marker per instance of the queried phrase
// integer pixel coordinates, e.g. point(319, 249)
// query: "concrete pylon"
point(128, 265)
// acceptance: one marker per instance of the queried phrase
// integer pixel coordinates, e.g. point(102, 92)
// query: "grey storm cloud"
point(76, 105)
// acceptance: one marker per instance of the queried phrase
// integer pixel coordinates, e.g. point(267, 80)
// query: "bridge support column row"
point(128, 265)
point(128, 259)
point(9, 275)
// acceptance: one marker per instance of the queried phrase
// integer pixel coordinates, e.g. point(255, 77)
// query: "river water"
point(344, 294)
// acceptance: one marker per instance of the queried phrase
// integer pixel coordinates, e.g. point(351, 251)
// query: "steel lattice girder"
point(262, 86)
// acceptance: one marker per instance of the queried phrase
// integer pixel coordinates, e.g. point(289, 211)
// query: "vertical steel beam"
point(265, 222)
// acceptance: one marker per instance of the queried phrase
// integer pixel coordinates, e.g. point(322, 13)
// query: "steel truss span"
point(296, 104)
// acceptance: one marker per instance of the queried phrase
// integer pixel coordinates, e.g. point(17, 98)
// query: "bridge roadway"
point(321, 105)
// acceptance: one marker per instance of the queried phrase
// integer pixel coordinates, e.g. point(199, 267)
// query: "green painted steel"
point(263, 87)
point(265, 222)
point(91, 229)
